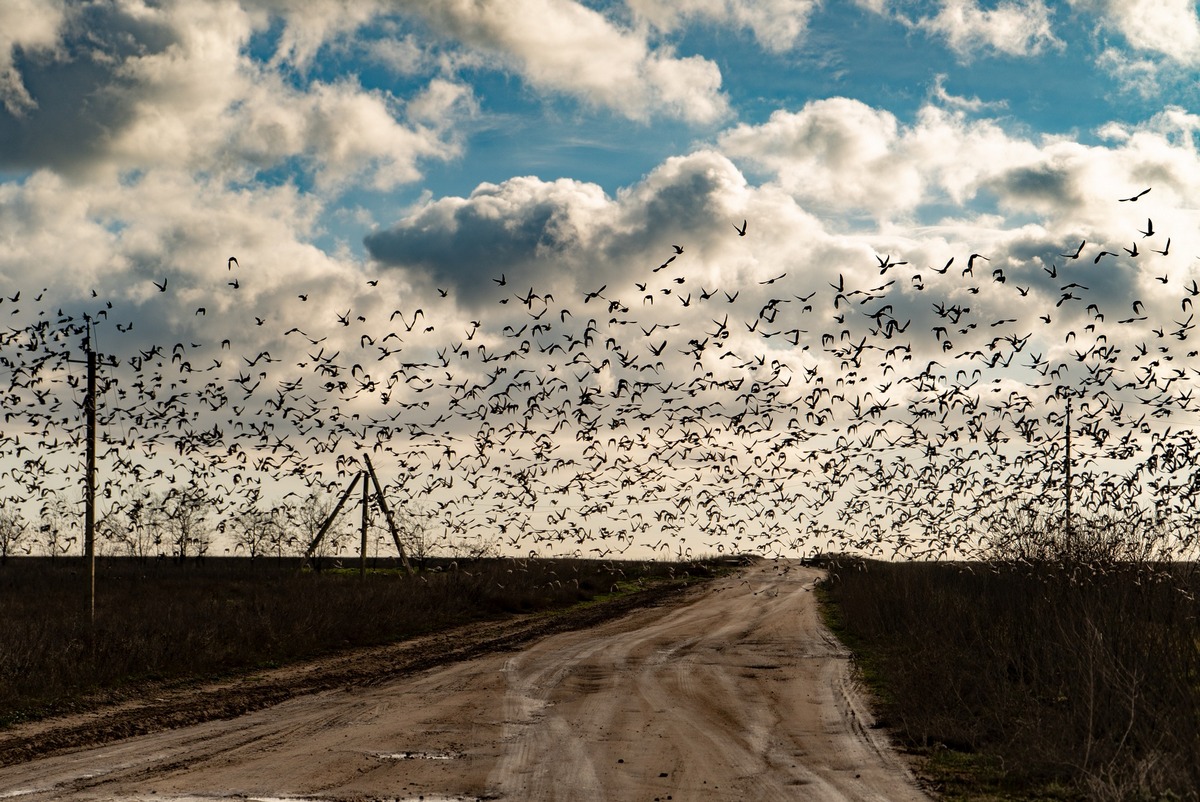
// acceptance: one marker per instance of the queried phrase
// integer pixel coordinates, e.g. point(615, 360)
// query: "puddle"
point(417, 755)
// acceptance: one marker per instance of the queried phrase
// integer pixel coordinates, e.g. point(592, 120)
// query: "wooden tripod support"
point(364, 476)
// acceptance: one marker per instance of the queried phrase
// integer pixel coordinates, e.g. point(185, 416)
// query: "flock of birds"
point(877, 409)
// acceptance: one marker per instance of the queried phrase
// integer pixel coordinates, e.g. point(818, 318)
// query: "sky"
point(224, 178)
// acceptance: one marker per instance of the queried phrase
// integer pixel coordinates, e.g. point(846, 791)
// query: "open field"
point(162, 621)
point(1021, 681)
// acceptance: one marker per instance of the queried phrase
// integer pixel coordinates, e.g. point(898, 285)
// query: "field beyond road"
point(733, 690)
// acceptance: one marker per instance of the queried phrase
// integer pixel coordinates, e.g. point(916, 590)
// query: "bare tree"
point(58, 521)
point(142, 532)
point(281, 538)
point(310, 515)
point(13, 530)
point(416, 535)
point(252, 533)
point(186, 521)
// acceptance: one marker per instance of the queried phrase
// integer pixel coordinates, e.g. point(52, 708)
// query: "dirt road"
point(736, 693)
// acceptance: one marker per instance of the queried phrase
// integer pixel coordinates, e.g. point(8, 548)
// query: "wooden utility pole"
point(366, 520)
point(368, 478)
point(387, 514)
point(89, 481)
point(1067, 489)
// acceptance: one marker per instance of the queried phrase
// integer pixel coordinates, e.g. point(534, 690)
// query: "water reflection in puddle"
point(417, 755)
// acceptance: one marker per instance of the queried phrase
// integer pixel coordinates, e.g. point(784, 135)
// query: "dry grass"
point(164, 620)
point(1058, 679)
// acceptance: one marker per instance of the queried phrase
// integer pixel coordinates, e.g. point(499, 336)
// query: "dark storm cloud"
point(529, 229)
point(1045, 186)
point(462, 246)
point(83, 98)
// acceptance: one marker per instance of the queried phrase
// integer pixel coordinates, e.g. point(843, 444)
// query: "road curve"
point(738, 692)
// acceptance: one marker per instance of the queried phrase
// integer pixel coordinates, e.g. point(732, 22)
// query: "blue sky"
point(1070, 79)
point(366, 160)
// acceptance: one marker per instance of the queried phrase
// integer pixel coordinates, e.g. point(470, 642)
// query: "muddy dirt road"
point(734, 692)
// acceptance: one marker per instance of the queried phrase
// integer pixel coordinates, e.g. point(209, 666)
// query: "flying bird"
point(741, 231)
point(1134, 198)
point(1075, 255)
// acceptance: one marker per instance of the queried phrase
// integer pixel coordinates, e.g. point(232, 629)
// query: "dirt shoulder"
point(154, 708)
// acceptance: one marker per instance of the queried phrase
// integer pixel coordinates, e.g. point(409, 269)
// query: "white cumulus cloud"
point(1169, 28)
point(776, 24)
point(32, 26)
point(563, 46)
point(1016, 28)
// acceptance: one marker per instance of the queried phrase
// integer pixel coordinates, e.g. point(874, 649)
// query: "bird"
point(1078, 251)
point(741, 231)
point(231, 262)
point(1134, 198)
point(161, 287)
